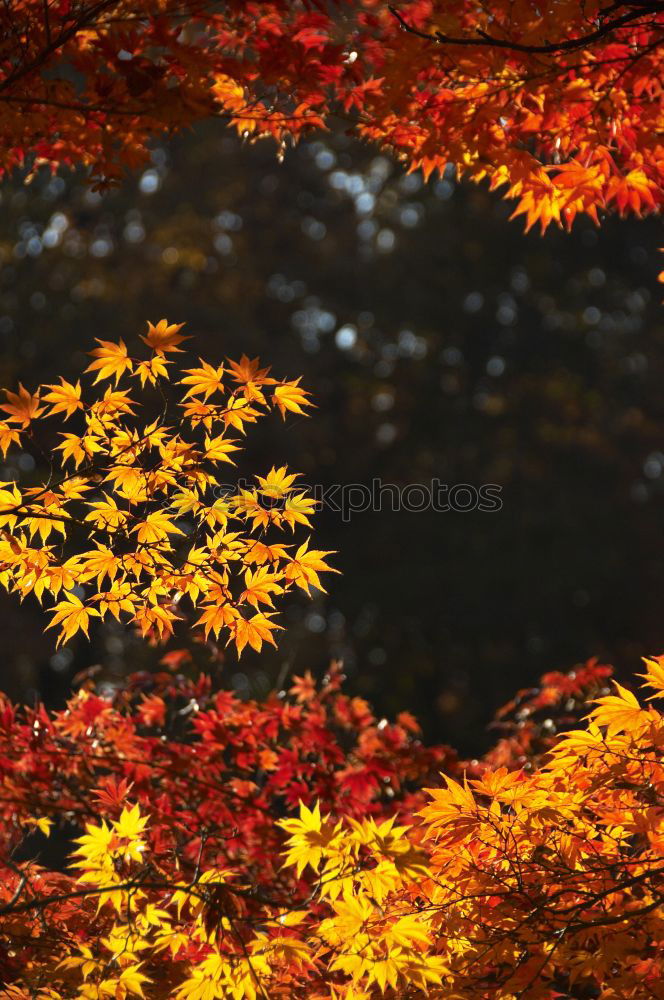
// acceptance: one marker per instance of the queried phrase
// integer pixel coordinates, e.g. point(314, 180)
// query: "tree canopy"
point(559, 103)
point(534, 873)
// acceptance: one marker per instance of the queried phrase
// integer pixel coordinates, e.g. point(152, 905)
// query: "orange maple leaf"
point(22, 406)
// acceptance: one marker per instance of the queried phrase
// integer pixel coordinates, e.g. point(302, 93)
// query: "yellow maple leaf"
point(22, 406)
point(64, 398)
point(8, 437)
point(216, 616)
point(288, 396)
point(10, 502)
point(620, 712)
point(164, 337)
point(156, 527)
point(304, 567)
point(278, 482)
point(131, 823)
point(152, 369)
point(254, 632)
point(218, 449)
point(112, 360)
point(106, 514)
point(204, 381)
point(43, 824)
point(654, 675)
point(259, 585)
point(310, 836)
point(248, 370)
point(72, 616)
point(100, 562)
point(79, 448)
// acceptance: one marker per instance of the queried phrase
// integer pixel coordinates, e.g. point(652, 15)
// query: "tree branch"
point(569, 45)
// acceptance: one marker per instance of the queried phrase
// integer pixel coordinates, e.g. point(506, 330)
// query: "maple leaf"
point(106, 514)
point(635, 190)
point(248, 370)
point(156, 528)
point(218, 449)
point(65, 398)
point(620, 712)
point(130, 981)
point(253, 631)
point(310, 835)
point(112, 793)
point(131, 823)
point(303, 568)
point(203, 381)
point(654, 675)
point(152, 369)
point(22, 406)
point(289, 397)
point(10, 502)
point(100, 562)
point(79, 448)
point(164, 337)
point(453, 811)
point(129, 480)
point(260, 584)
point(112, 360)
point(260, 553)
point(8, 437)
point(278, 483)
point(153, 618)
point(296, 509)
point(114, 402)
point(72, 616)
point(42, 823)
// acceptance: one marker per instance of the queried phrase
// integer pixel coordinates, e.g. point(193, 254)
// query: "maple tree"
point(146, 494)
point(539, 877)
point(561, 103)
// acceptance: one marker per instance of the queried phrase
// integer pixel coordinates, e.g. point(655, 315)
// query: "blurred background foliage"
point(439, 341)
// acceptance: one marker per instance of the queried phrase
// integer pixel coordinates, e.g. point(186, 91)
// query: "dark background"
point(438, 341)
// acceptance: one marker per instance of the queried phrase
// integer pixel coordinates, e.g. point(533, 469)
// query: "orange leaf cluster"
point(133, 522)
point(534, 882)
point(560, 102)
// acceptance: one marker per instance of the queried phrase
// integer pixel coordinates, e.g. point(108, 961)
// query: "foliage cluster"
point(535, 872)
point(146, 494)
point(559, 102)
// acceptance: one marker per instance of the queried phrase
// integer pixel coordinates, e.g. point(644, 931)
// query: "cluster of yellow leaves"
point(133, 522)
point(514, 884)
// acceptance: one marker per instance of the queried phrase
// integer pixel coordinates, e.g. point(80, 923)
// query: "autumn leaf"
point(143, 483)
point(203, 381)
point(8, 437)
point(619, 712)
point(289, 397)
point(164, 337)
point(305, 565)
point(152, 369)
point(248, 370)
point(654, 675)
point(72, 616)
point(219, 448)
point(253, 631)
point(22, 407)
point(260, 584)
point(156, 528)
point(65, 398)
point(309, 836)
point(112, 360)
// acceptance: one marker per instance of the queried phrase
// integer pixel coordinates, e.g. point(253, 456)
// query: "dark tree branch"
point(485, 40)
